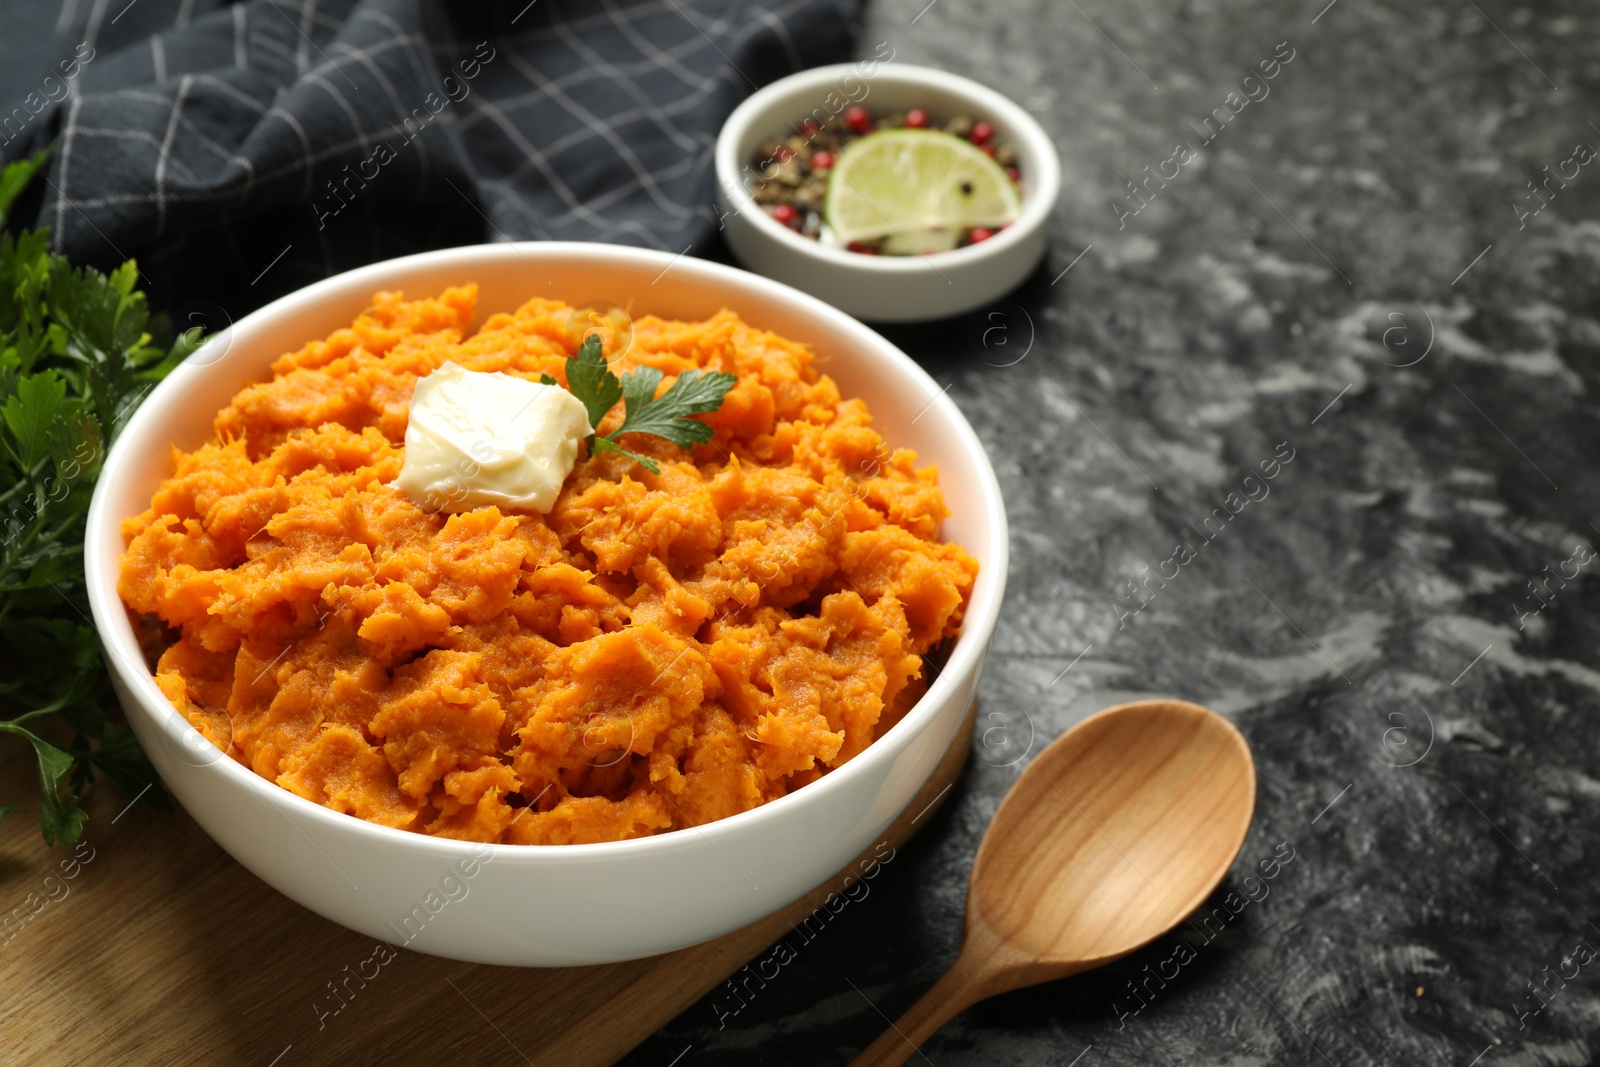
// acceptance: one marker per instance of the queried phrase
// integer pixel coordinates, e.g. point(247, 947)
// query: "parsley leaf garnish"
point(694, 392)
point(591, 380)
point(78, 351)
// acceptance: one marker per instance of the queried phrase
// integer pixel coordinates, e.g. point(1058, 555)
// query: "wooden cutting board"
point(149, 945)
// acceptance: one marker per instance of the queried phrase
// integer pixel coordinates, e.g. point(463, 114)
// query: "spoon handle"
point(963, 985)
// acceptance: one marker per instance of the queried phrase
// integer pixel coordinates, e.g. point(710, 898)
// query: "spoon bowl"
point(1116, 832)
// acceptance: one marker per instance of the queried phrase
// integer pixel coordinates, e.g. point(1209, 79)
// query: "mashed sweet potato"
point(657, 652)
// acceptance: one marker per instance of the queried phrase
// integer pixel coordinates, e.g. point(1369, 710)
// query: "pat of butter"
point(479, 439)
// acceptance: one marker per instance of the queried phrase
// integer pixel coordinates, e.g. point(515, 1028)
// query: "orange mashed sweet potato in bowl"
point(657, 652)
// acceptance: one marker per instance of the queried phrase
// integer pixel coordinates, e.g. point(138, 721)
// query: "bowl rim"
point(1039, 195)
point(145, 429)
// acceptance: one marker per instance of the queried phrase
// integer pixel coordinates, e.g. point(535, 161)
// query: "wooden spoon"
point(1116, 832)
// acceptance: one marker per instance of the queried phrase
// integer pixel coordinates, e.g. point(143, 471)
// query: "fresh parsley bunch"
point(78, 351)
point(694, 392)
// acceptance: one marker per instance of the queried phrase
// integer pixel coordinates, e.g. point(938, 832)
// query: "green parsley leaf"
point(31, 415)
point(119, 757)
point(693, 392)
point(605, 444)
point(15, 178)
point(60, 817)
point(591, 381)
point(78, 351)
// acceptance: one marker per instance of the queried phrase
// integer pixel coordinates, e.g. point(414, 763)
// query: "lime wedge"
point(920, 188)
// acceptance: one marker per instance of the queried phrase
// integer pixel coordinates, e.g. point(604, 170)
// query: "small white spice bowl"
point(884, 288)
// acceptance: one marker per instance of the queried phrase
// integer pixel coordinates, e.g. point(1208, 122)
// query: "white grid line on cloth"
point(97, 230)
point(381, 18)
point(631, 88)
point(558, 186)
point(329, 66)
point(166, 151)
point(736, 35)
point(585, 210)
point(725, 58)
point(241, 58)
point(160, 100)
point(97, 15)
point(322, 18)
point(223, 152)
point(449, 123)
point(398, 33)
point(305, 143)
point(73, 92)
point(612, 195)
point(790, 50)
point(232, 90)
point(595, 123)
point(249, 177)
point(394, 98)
point(662, 58)
point(271, 43)
point(122, 135)
point(202, 196)
point(185, 12)
point(702, 162)
point(577, 77)
point(66, 158)
point(69, 15)
point(786, 38)
point(602, 131)
point(302, 58)
point(536, 159)
point(578, 136)
point(588, 22)
point(344, 105)
point(158, 58)
point(408, 41)
point(421, 70)
point(309, 14)
point(143, 137)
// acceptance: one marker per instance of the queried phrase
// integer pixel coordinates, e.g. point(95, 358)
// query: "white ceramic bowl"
point(885, 288)
point(551, 905)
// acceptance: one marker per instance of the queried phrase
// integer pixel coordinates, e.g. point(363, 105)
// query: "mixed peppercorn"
point(791, 175)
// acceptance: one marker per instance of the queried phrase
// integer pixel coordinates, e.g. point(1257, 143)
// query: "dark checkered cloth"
point(240, 151)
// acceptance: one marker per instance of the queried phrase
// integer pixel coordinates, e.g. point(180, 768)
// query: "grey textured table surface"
point(1356, 271)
